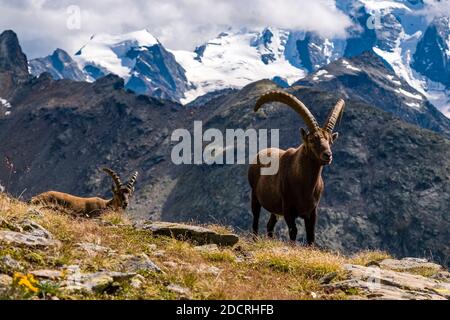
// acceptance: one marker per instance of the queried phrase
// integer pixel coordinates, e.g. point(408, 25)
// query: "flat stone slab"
point(377, 283)
point(409, 264)
point(78, 282)
point(26, 239)
point(196, 234)
point(48, 274)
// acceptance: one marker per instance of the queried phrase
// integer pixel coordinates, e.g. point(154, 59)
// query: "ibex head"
point(317, 140)
point(121, 193)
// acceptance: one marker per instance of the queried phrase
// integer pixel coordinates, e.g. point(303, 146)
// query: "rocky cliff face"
point(12, 59)
point(432, 57)
point(367, 78)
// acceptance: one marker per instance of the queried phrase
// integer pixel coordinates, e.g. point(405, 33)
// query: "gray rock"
point(141, 262)
point(377, 283)
point(182, 291)
point(137, 281)
point(35, 229)
point(48, 274)
point(26, 239)
point(196, 234)
point(78, 282)
point(94, 249)
point(9, 265)
point(5, 282)
point(206, 269)
point(407, 264)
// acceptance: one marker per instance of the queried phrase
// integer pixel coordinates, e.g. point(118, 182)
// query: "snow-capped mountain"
point(418, 51)
point(60, 65)
point(234, 59)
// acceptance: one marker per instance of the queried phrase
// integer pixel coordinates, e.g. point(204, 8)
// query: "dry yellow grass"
point(265, 269)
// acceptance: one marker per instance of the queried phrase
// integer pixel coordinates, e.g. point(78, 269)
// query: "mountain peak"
point(12, 58)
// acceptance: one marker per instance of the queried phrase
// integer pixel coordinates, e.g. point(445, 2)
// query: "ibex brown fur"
point(295, 190)
point(91, 206)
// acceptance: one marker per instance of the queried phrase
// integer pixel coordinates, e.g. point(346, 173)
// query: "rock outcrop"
point(199, 235)
point(380, 282)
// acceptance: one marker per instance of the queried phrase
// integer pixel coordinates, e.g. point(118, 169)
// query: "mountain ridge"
point(394, 30)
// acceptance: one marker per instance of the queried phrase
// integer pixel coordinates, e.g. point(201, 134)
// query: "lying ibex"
point(295, 190)
point(91, 206)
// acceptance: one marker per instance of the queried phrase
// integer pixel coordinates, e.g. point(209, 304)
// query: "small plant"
point(26, 282)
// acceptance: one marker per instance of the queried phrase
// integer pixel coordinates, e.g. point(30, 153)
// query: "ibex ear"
point(334, 136)
point(113, 189)
point(304, 134)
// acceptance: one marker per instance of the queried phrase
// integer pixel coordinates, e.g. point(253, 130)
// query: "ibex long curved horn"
point(132, 181)
point(114, 176)
point(293, 102)
point(335, 114)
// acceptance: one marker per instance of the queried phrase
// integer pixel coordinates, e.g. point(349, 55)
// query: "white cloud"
point(435, 8)
point(179, 24)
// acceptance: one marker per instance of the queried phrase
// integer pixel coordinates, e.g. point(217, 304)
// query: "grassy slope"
point(251, 270)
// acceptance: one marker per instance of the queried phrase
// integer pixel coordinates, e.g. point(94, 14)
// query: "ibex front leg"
point(289, 217)
point(310, 225)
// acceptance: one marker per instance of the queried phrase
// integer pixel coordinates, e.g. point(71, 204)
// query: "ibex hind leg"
point(256, 210)
point(271, 225)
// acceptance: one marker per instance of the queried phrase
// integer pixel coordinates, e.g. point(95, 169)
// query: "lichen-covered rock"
point(48, 274)
point(9, 265)
point(376, 283)
point(26, 239)
point(409, 264)
point(141, 262)
point(93, 249)
point(35, 229)
point(179, 290)
point(196, 234)
point(77, 282)
point(5, 282)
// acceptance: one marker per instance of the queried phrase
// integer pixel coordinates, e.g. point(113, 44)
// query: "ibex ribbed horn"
point(132, 181)
point(334, 115)
point(293, 102)
point(114, 176)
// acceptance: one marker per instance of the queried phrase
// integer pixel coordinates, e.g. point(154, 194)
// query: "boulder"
point(48, 274)
point(77, 282)
point(196, 234)
point(93, 249)
point(409, 264)
point(26, 239)
point(377, 283)
point(179, 290)
point(140, 262)
point(5, 282)
point(9, 265)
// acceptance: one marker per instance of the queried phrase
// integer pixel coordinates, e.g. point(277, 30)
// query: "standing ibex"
point(91, 206)
point(295, 190)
